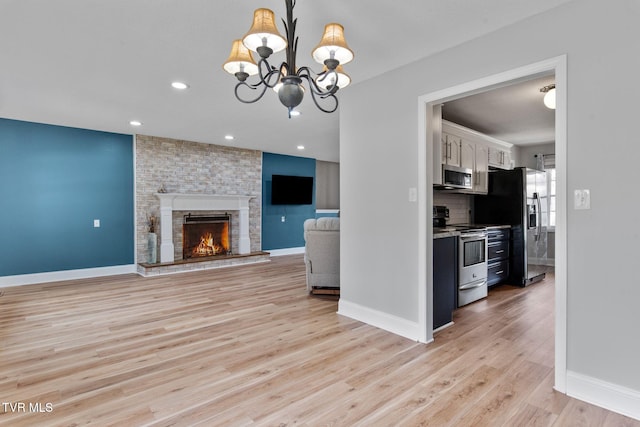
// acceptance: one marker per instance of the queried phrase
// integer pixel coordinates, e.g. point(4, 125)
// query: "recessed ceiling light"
point(135, 123)
point(179, 85)
point(228, 137)
point(300, 147)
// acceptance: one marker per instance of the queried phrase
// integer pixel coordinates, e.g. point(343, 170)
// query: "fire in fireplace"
point(204, 236)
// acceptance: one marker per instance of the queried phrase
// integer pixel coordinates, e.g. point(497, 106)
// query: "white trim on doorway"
point(426, 105)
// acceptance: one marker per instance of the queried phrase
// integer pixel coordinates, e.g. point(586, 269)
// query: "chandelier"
point(264, 39)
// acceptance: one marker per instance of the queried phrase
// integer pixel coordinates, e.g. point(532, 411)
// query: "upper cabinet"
point(481, 170)
point(450, 149)
point(500, 157)
point(467, 154)
point(469, 149)
point(475, 156)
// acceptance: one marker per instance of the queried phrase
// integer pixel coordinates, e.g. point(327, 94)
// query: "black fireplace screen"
point(204, 236)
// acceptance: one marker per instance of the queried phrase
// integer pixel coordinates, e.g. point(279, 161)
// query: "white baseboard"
point(57, 276)
point(285, 251)
point(388, 322)
point(610, 396)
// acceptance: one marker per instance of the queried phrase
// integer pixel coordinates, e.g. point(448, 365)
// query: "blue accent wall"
point(289, 234)
point(54, 181)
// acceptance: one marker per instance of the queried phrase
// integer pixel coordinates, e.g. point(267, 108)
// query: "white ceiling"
point(98, 64)
point(514, 113)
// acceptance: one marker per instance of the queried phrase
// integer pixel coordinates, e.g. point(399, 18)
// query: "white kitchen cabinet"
point(469, 149)
point(481, 170)
point(499, 157)
point(508, 161)
point(450, 149)
point(467, 154)
point(474, 156)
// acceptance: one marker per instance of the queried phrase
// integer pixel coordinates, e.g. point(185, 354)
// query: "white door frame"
point(558, 66)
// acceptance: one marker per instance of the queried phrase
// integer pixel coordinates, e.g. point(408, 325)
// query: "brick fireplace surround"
point(198, 178)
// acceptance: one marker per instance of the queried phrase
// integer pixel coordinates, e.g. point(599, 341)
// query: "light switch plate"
point(413, 194)
point(96, 223)
point(581, 199)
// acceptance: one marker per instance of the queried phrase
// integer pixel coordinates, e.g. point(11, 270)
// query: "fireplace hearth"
point(206, 236)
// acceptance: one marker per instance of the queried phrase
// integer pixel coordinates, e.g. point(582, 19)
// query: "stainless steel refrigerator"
point(518, 197)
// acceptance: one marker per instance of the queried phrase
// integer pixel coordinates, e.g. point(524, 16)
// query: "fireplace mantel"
point(170, 202)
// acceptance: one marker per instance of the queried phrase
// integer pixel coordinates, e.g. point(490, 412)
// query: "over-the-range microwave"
point(457, 177)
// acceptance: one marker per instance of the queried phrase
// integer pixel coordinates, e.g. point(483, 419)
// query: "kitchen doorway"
point(430, 103)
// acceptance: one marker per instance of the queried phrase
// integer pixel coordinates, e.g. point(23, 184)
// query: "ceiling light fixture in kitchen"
point(549, 95)
point(264, 39)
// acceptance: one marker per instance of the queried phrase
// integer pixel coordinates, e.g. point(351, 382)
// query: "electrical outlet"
point(283, 218)
point(96, 223)
point(581, 199)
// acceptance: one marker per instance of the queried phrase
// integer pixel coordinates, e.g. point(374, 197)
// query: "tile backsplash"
point(459, 206)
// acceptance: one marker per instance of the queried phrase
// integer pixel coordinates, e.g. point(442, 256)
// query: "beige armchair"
point(322, 255)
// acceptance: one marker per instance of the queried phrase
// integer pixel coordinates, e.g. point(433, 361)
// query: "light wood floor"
point(248, 346)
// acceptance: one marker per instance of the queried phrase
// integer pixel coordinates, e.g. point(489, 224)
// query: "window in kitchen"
point(550, 167)
point(551, 180)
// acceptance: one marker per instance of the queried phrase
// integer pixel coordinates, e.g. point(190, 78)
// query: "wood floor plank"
point(248, 346)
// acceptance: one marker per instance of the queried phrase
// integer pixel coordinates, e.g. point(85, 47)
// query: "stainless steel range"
point(472, 264)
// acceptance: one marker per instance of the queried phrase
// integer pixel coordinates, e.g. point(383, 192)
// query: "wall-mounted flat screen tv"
point(291, 190)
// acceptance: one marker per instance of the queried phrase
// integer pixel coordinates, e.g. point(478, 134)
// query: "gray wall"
point(526, 154)
point(379, 263)
point(327, 185)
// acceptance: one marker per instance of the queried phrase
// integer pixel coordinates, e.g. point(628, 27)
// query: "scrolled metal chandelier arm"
point(317, 91)
point(265, 81)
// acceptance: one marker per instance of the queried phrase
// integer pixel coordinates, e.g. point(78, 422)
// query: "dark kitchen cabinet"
point(498, 255)
point(445, 280)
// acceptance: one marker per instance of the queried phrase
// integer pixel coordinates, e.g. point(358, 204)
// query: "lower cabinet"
point(498, 256)
point(445, 280)
point(497, 272)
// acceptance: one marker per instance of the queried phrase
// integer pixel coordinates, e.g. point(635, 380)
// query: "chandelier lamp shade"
point(340, 77)
point(264, 39)
point(242, 60)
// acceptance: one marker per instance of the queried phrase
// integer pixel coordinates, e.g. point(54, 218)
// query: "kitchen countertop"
point(497, 226)
point(442, 232)
point(452, 231)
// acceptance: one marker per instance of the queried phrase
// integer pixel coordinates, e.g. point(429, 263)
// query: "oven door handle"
point(473, 285)
point(473, 236)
